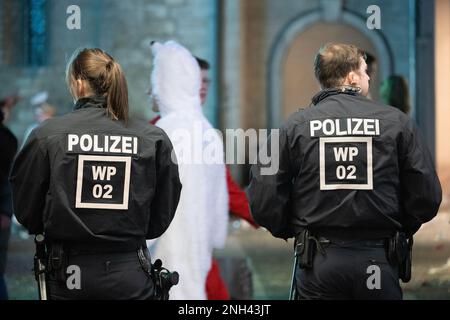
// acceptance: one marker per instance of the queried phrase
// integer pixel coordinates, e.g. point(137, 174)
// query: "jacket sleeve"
point(8, 149)
point(30, 180)
point(421, 193)
point(269, 192)
point(168, 189)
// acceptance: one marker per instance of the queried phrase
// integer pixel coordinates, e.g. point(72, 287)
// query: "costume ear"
point(155, 47)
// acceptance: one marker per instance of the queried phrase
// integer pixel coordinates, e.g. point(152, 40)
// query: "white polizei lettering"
point(314, 126)
point(86, 138)
point(338, 129)
point(357, 126)
point(115, 141)
point(111, 172)
point(96, 147)
point(135, 145)
point(377, 127)
point(72, 139)
point(102, 143)
point(106, 143)
point(340, 154)
point(331, 125)
point(369, 126)
point(126, 145)
point(99, 172)
point(353, 152)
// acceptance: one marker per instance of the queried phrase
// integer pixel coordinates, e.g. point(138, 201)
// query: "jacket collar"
point(90, 102)
point(333, 91)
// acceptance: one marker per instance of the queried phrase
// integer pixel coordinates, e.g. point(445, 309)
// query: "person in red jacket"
point(216, 288)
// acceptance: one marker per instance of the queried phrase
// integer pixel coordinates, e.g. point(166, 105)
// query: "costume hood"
point(201, 219)
point(175, 78)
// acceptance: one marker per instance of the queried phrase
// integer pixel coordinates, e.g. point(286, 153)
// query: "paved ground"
point(271, 262)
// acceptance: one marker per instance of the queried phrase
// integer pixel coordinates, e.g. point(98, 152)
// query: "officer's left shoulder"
point(387, 112)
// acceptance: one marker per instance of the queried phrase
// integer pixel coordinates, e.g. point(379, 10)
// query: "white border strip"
point(368, 185)
point(126, 187)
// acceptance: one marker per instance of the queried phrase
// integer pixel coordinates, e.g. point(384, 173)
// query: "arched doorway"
point(299, 82)
point(286, 40)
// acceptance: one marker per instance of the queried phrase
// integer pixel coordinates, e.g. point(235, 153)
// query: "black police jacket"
point(86, 179)
point(346, 164)
point(8, 149)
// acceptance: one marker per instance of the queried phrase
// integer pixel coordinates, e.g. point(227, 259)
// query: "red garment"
point(216, 288)
point(238, 202)
point(155, 120)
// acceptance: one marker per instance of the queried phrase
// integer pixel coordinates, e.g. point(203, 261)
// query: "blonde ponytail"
point(117, 93)
point(105, 77)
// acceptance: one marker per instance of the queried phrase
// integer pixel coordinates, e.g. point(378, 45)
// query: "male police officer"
point(352, 173)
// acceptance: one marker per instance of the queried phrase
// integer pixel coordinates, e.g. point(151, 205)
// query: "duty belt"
point(75, 249)
point(375, 243)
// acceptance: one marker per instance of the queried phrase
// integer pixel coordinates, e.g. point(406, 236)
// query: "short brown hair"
point(334, 61)
point(105, 76)
point(202, 63)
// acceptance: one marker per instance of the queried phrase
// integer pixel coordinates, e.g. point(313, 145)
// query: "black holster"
point(162, 278)
point(57, 262)
point(145, 260)
point(305, 249)
point(400, 254)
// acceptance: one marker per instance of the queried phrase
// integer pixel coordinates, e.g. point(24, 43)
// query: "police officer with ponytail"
point(96, 184)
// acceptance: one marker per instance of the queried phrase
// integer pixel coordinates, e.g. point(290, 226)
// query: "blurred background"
point(261, 54)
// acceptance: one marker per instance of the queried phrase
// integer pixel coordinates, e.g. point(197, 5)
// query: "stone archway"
point(299, 81)
point(298, 25)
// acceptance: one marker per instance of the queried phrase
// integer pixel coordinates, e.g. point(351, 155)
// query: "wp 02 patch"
point(103, 182)
point(346, 163)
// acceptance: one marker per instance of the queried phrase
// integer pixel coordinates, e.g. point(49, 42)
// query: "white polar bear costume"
point(201, 219)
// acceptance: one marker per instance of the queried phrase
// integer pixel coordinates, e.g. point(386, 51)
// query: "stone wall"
point(122, 28)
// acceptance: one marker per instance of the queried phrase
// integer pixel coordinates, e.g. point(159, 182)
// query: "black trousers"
point(111, 276)
point(358, 272)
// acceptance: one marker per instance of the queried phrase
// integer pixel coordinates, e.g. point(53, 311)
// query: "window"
point(36, 33)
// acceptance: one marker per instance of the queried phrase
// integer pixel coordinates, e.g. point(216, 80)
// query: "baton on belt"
point(293, 292)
